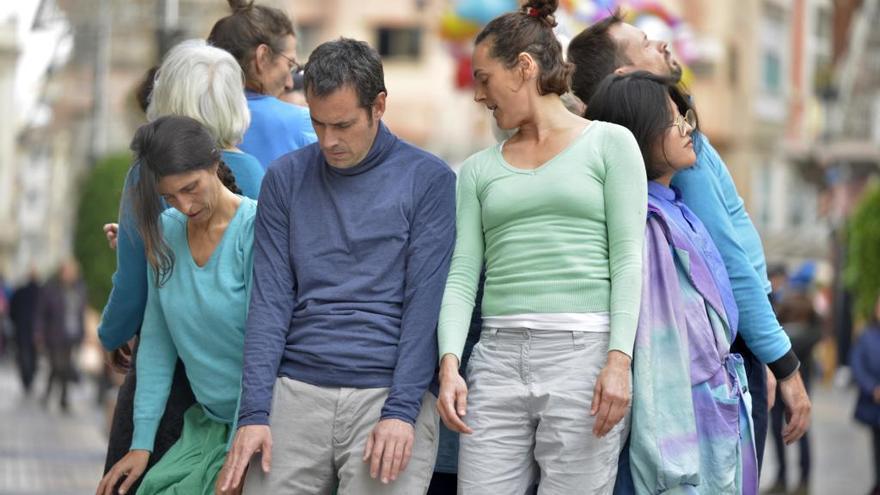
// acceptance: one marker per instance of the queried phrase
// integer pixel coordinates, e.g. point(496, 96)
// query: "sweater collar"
point(660, 191)
point(378, 153)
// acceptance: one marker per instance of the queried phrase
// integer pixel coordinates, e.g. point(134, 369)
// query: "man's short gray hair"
point(205, 83)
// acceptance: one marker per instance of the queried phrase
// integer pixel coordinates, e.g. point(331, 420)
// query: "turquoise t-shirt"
point(198, 314)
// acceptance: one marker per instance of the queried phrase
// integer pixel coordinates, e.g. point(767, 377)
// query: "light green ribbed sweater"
point(563, 238)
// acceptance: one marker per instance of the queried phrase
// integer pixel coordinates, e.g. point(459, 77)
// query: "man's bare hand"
point(248, 441)
point(389, 448)
point(797, 407)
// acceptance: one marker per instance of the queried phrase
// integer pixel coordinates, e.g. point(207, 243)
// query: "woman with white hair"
point(205, 83)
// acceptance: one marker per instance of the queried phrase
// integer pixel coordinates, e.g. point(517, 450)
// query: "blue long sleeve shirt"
point(276, 129)
point(709, 191)
point(124, 310)
point(349, 270)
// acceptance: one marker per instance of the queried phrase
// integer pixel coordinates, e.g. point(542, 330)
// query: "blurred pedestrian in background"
point(793, 303)
point(262, 40)
point(5, 324)
point(59, 325)
point(865, 363)
point(22, 311)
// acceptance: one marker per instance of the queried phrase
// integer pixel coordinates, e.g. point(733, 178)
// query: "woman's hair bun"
point(543, 10)
point(240, 5)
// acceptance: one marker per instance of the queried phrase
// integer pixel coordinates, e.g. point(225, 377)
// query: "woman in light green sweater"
point(556, 216)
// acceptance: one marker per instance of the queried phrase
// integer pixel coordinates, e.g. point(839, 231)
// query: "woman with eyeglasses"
point(262, 40)
point(691, 422)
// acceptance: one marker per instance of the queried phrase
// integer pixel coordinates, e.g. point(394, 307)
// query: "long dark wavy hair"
point(638, 102)
point(167, 146)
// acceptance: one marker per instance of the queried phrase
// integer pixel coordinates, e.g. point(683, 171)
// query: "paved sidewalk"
point(43, 451)
point(840, 447)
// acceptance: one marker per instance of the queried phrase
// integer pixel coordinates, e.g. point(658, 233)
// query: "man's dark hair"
point(341, 62)
point(595, 55)
point(638, 101)
point(530, 30)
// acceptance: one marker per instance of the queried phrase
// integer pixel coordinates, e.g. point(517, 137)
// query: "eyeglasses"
point(689, 119)
point(294, 65)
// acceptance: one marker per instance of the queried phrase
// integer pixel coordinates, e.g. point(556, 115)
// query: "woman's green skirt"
point(191, 465)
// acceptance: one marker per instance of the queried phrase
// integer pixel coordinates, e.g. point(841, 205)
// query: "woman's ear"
point(527, 66)
point(262, 58)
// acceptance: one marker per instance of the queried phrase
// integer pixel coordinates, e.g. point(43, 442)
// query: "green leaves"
point(862, 274)
point(99, 204)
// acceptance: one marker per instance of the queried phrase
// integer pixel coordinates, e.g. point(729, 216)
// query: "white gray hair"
point(205, 83)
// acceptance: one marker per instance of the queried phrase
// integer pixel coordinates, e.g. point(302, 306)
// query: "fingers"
point(131, 477)
point(241, 455)
point(407, 455)
point(461, 402)
point(266, 452)
point(799, 421)
point(597, 399)
point(391, 454)
point(109, 481)
point(368, 451)
point(376, 456)
point(601, 425)
point(451, 407)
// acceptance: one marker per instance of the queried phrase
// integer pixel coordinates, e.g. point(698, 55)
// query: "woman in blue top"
point(865, 364)
point(199, 258)
point(205, 83)
point(262, 40)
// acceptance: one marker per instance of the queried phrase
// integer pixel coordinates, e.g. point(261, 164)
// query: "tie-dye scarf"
point(691, 423)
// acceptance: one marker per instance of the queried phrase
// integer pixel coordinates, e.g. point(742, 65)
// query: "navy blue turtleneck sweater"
point(349, 270)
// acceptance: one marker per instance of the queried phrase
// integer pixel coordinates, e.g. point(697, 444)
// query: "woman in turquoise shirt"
point(205, 83)
point(199, 261)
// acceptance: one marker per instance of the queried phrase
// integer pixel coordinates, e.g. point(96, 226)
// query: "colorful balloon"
point(454, 28)
point(483, 11)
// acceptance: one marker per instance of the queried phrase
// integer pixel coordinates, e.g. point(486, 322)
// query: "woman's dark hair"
point(341, 62)
point(167, 146)
point(144, 89)
point(248, 27)
point(638, 102)
point(530, 30)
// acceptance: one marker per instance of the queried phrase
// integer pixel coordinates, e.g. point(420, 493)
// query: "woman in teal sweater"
point(199, 256)
point(556, 214)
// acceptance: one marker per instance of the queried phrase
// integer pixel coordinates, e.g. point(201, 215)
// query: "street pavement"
point(43, 451)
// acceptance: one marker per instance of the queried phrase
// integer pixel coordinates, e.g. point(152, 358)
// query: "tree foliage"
point(863, 260)
point(99, 204)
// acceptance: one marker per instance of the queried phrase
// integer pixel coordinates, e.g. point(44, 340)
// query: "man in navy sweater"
point(352, 244)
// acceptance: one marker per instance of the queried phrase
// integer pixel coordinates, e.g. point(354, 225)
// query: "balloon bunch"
point(464, 18)
point(460, 23)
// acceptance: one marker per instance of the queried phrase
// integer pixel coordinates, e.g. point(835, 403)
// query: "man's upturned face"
point(345, 129)
point(644, 54)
